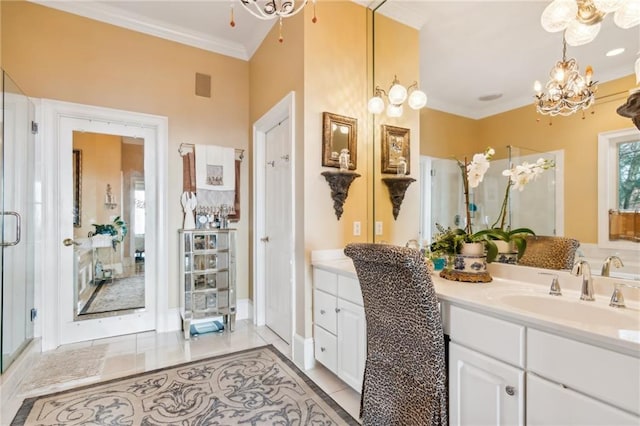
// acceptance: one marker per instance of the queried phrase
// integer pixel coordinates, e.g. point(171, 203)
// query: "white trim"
point(607, 176)
point(559, 191)
point(244, 309)
point(284, 109)
point(303, 355)
point(55, 116)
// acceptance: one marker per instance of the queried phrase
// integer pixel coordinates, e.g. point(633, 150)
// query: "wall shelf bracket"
point(339, 183)
point(397, 187)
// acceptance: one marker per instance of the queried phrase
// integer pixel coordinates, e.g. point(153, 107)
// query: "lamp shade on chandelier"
point(567, 91)
point(396, 96)
point(581, 19)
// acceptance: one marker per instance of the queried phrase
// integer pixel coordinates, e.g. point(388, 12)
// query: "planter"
point(507, 252)
point(101, 240)
point(468, 266)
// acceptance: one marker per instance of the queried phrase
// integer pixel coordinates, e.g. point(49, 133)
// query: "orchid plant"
point(519, 176)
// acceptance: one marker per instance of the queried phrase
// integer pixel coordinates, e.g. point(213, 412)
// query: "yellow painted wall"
point(447, 135)
point(335, 80)
point(57, 55)
point(396, 49)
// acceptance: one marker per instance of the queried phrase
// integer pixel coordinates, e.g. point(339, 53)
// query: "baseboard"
point(303, 355)
point(173, 321)
point(244, 309)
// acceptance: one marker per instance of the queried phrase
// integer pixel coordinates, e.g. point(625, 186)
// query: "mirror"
point(109, 262)
point(338, 133)
point(443, 136)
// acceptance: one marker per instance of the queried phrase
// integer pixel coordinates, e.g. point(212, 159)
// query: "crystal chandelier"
point(567, 91)
point(396, 96)
point(272, 9)
point(581, 19)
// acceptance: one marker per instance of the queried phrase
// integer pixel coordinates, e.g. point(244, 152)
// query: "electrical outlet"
point(378, 227)
point(356, 228)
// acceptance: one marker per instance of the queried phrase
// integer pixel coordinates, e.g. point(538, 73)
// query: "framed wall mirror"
point(76, 161)
point(395, 144)
point(339, 132)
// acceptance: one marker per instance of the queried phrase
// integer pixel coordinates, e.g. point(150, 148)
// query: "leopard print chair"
point(405, 373)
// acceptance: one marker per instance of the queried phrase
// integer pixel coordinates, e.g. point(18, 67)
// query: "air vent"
point(203, 85)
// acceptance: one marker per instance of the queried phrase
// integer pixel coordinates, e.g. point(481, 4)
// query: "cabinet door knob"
point(337, 310)
point(322, 312)
point(510, 390)
point(322, 349)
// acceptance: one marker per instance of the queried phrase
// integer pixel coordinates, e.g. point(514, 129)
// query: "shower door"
point(17, 210)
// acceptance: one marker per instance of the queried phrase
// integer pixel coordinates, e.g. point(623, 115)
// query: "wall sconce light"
point(416, 99)
point(109, 199)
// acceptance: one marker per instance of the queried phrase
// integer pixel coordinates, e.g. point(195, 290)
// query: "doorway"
point(61, 121)
point(274, 168)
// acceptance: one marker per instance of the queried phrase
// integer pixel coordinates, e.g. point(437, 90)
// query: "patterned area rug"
point(254, 387)
point(122, 293)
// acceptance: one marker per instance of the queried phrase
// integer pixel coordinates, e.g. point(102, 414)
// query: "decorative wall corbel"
point(397, 187)
point(339, 183)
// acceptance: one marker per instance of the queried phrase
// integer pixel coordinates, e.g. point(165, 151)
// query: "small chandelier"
point(581, 19)
point(567, 91)
point(272, 9)
point(396, 96)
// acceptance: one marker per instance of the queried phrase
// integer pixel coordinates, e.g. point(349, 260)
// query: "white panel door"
point(278, 238)
point(352, 343)
point(483, 391)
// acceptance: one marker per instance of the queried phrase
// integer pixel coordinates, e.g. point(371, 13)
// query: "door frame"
point(50, 246)
point(284, 109)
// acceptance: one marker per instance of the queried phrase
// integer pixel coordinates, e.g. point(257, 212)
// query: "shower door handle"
point(18, 226)
point(69, 242)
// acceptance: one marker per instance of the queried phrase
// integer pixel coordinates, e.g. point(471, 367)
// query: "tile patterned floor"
point(135, 353)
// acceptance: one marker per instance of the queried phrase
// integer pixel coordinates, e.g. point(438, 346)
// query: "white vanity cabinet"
point(340, 341)
point(486, 378)
point(568, 382)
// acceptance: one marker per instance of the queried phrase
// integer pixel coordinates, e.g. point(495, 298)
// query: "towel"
point(215, 168)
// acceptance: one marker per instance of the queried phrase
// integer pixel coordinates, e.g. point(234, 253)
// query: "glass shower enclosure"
point(18, 210)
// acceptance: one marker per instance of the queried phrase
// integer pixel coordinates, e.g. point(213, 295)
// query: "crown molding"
point(110, 15)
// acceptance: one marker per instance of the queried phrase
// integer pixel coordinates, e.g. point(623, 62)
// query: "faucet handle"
point(617, 299)
point(555, 289)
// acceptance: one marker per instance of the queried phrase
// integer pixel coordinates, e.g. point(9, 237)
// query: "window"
point(618, 188)
point(628, 181)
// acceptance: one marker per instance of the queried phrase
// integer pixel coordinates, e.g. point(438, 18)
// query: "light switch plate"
point(356, 228)
point(378, 227)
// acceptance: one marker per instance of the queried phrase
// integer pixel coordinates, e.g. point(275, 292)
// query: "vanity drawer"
point(349, 289)
point(609, 376)
point(492, 336)
point(324, 311)
point(325, 281)
point(326, 348)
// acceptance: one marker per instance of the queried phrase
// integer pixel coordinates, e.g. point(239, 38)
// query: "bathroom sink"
point(565, 309)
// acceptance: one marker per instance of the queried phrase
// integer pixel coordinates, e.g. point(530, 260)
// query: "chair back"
point(405, 373)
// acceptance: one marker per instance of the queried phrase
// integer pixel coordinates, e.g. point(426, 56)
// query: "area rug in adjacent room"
point(122, 293)
point(257, 386)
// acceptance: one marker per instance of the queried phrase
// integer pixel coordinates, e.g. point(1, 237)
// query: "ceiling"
point(469, 49)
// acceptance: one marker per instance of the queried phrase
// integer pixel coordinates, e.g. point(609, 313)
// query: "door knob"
point(510, 390)
point(265, 239)
point(69, 242)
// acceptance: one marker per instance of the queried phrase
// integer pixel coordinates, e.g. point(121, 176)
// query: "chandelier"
point(272, 9)
point(581, 19)
point(566, 91)
point(397, 94)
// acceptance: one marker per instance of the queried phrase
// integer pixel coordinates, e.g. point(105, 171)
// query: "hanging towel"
point(215, 168)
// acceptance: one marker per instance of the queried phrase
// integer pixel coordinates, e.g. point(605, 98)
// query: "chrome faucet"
point(581, 267)
point(555, 289)
point(606, 266)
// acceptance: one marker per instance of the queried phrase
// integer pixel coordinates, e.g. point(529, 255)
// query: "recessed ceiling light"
point(615, 52)
point(490, 97)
